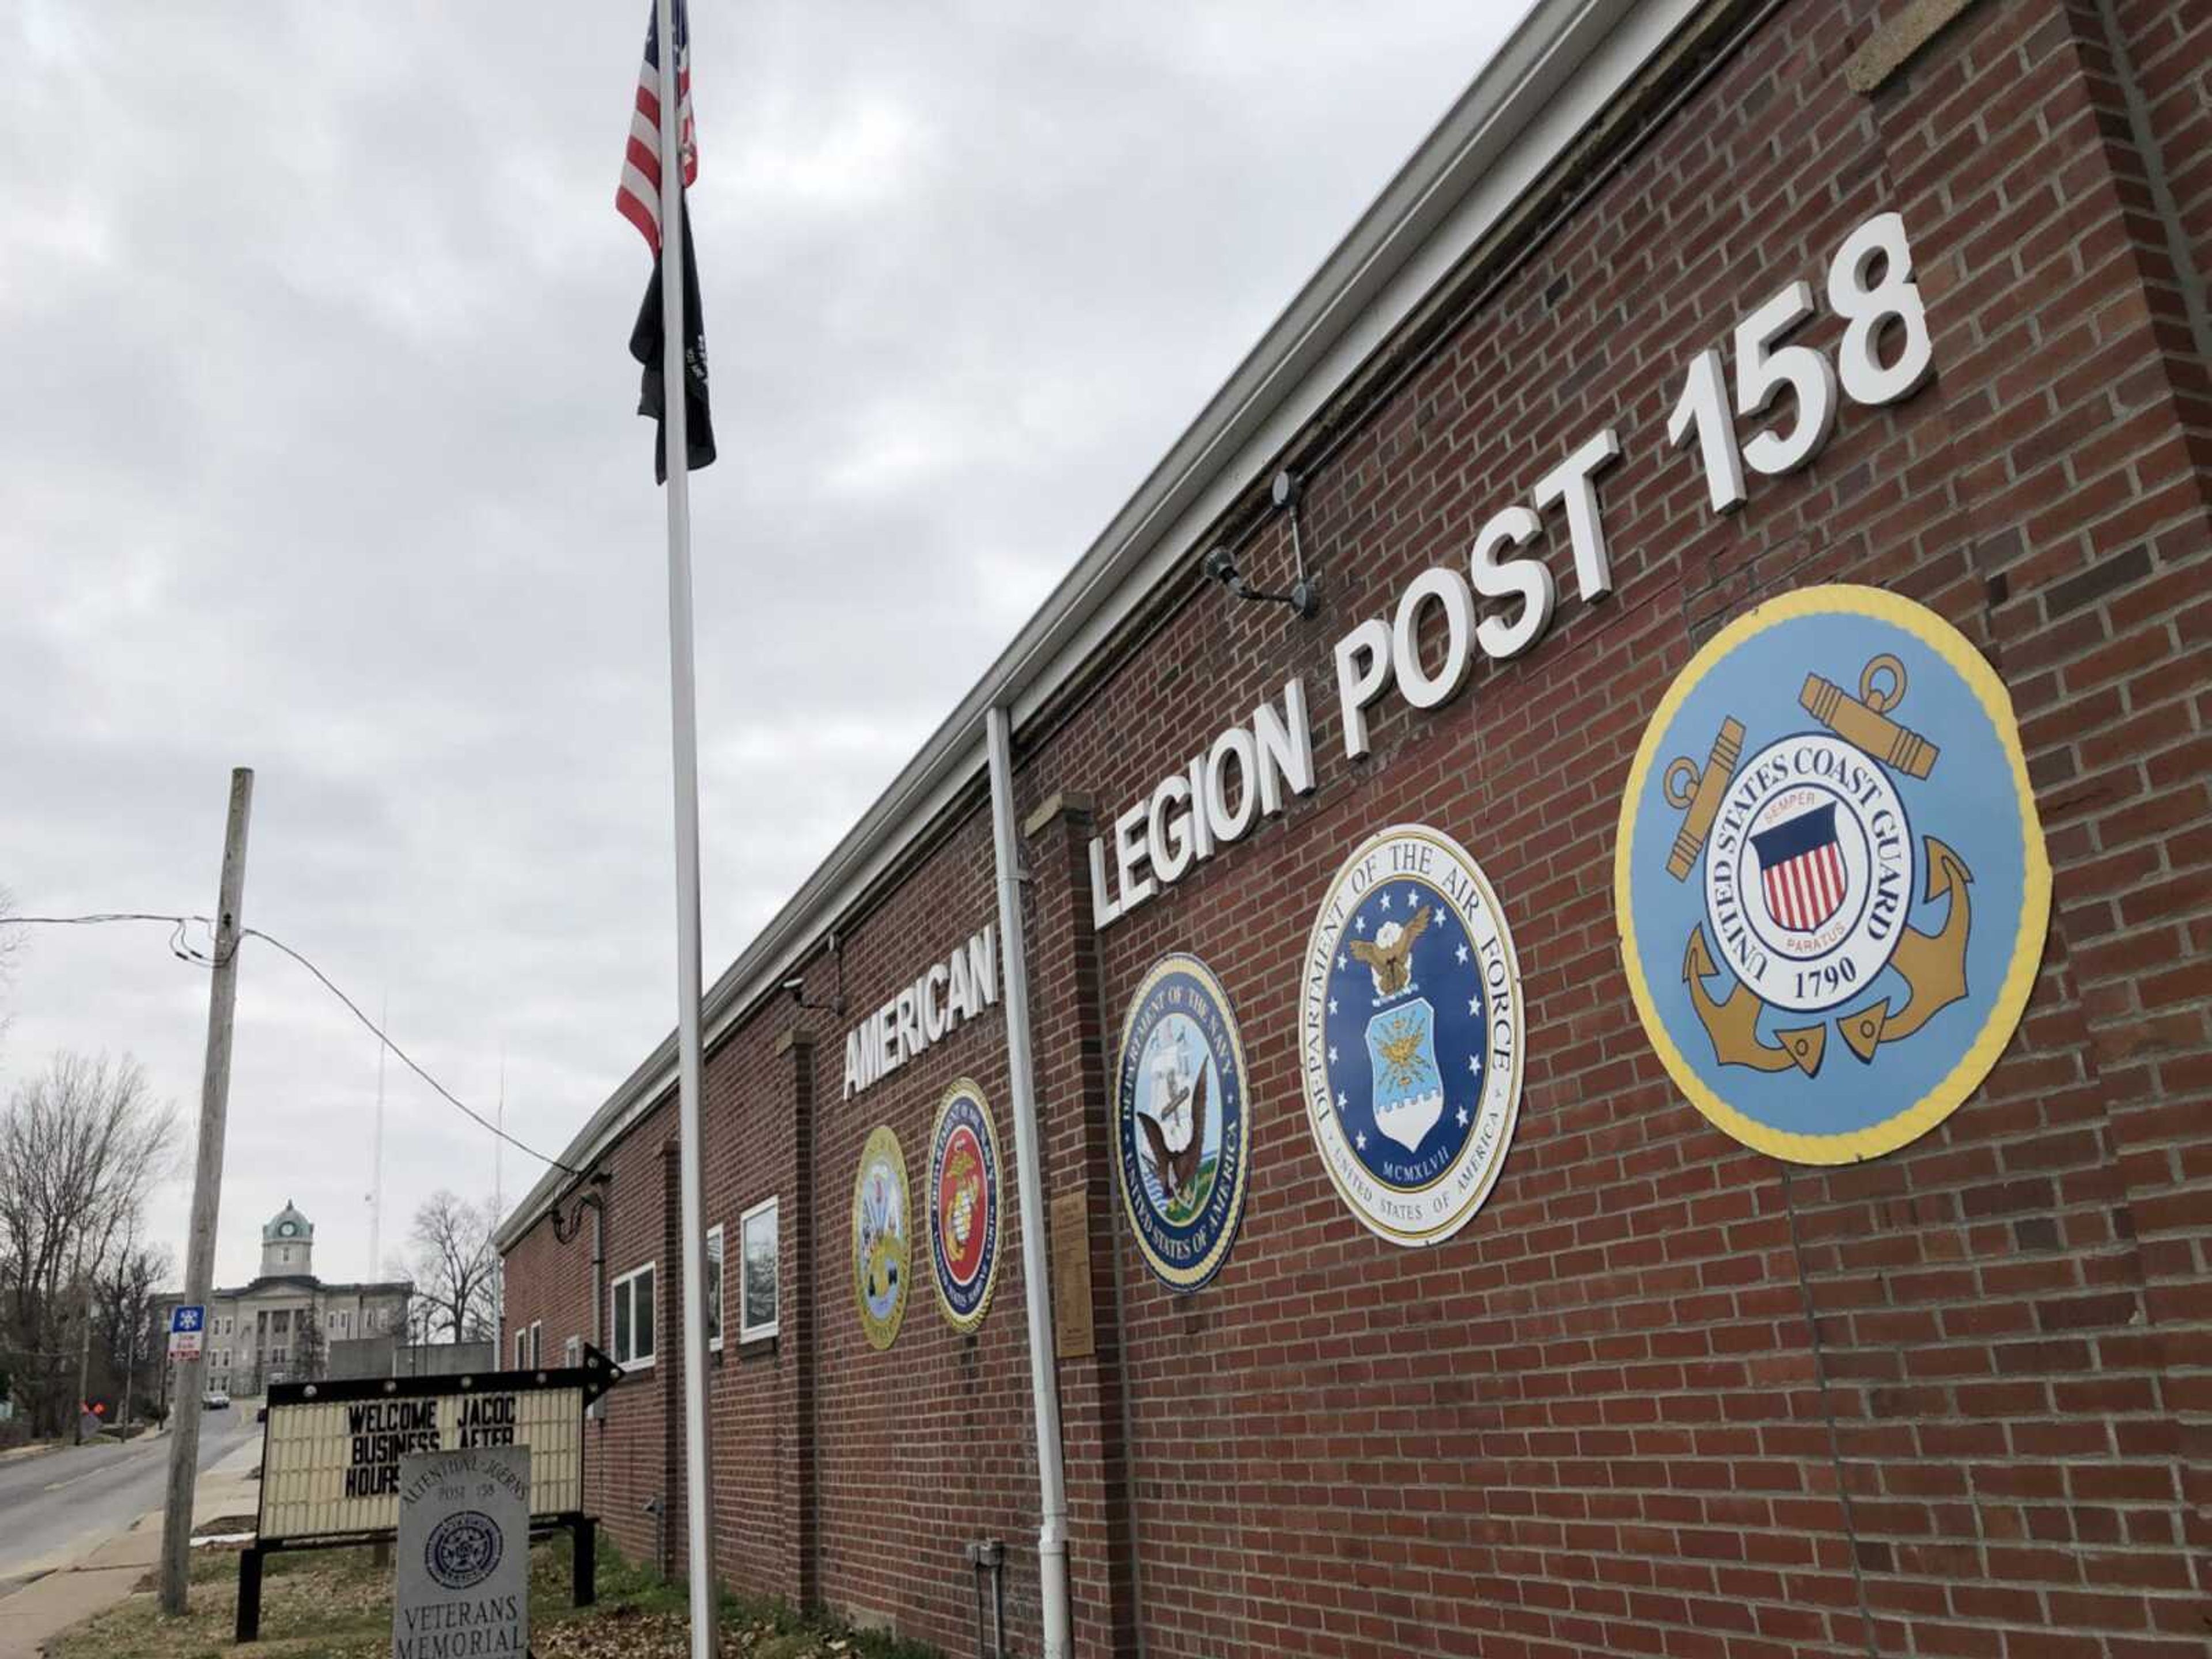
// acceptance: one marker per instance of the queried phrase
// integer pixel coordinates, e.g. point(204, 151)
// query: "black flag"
point(645, 342)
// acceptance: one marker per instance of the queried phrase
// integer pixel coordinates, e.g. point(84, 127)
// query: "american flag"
point(637, 199)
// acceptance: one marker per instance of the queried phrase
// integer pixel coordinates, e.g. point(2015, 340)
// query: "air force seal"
point(1831, 881)
point(881, 1229)
point(1410, 1035)
point(964, 1205)
point(1179, 1123)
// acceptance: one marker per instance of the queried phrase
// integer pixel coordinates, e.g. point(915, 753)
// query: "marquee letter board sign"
point(330, 1452)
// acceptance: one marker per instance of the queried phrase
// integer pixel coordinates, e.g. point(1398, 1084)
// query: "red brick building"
point(1661, 1393)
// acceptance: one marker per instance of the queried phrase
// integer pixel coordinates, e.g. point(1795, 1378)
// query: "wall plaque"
point(1072, 1337)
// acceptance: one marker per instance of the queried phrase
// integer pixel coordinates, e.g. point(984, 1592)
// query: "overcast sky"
point(317, 454)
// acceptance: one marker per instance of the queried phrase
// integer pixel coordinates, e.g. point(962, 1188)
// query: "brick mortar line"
point(1828, 1411)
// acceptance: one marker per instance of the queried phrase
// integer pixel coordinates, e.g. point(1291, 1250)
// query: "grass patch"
point(337, 1604)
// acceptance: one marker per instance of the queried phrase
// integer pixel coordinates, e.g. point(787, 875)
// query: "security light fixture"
point(796, 984)
point(1220, 564)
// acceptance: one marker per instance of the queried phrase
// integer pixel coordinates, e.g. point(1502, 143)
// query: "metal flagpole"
point(675, 385)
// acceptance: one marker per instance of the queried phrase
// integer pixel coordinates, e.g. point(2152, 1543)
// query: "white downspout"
point(1029, 1176)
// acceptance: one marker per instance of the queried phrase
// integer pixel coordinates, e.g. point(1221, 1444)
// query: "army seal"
point(882, 1227)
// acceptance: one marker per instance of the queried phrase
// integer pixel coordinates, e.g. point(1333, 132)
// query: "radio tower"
point(376, 1156)
point(499, 1209)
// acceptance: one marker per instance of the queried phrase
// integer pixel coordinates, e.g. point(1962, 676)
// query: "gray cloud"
point(316, 454)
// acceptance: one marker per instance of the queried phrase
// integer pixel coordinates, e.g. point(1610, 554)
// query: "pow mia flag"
point(645, 345)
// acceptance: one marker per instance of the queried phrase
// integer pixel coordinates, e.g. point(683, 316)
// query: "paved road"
point(55, 1506)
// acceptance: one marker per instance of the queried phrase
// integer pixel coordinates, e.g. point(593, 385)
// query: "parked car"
point(214, 1400)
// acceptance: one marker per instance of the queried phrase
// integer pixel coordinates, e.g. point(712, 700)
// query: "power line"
point(179, 947)
point(405, 1058)
point(183, 950)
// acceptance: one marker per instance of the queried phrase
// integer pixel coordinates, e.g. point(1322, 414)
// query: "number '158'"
point(1869, 286)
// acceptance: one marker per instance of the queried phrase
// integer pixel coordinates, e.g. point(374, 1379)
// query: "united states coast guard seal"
point(1181, 1139)
point(1410, 1035)
point(881, 1230)
point(964, 1205)
point(1831, 881)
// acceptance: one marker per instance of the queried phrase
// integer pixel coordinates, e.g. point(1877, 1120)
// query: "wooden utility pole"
point(207, 1194)
point(84, 1350)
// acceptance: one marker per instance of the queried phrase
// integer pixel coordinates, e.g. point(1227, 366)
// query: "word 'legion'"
point(1191, 813)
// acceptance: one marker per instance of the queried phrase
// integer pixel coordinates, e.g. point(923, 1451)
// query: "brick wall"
point(1662, 1395)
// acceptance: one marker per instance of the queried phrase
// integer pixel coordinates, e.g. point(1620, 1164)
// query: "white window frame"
point(522, 1348)
point(572, 1351)
point(758, 1333)
point(536, 1343)
point(615, 1290)
point(718, 1277)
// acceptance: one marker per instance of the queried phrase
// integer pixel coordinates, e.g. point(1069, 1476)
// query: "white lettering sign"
point(1241, 778)
point(959, 988)
point(1224, 791)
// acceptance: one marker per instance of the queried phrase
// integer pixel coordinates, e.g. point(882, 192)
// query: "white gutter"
point(1553, 76)
point(1029, 1181)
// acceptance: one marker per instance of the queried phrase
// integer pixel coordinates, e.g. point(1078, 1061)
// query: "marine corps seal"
point(881, 1229)
point(964, 1205)
point(1830, 881)
point(1410, 1035)
point(1179, 1123)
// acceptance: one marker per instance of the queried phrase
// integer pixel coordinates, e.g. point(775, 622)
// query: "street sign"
point(462, 1582)
point(187, 1322)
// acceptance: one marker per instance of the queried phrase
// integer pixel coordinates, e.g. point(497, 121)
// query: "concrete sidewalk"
point(115, 1569)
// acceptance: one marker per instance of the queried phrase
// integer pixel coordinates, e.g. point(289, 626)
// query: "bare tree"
point(123, 1312)
point(81, 1146)
point(455, 1269)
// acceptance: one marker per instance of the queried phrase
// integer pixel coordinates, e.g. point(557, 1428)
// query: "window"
point(633, 1317)
point(715, 1285)
point(536, 1343)
point(756, 1279)
point(522, 1351)
point(571, 1352)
